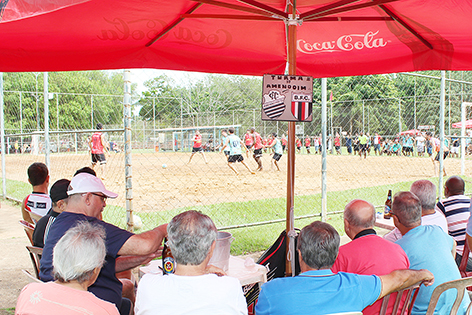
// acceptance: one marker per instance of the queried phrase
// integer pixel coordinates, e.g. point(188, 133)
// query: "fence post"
point(127, 138)
point(324, 118)
point(442, 102)
point(46, 119)
point(2, 134)
point(399, 115)
point(463, 109)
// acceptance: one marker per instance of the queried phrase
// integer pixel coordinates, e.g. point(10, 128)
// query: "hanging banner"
point(287, 98)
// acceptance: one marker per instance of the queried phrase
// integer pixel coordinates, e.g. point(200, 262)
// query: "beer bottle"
point(168, 263)
point(388, 205)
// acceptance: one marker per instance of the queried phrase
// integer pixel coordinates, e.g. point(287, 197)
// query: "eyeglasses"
point(104, 198)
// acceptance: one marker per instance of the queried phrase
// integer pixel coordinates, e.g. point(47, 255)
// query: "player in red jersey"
point(248, 142)
point(299, 144)
point(257, 148)
point(98, 148)
point(197, 146)
point(284, 142)
point(307, 144)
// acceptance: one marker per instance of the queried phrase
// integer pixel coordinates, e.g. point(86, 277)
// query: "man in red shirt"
point(248, 142)
point(197, 146)
point(367, 253)
point(337, 144)
point(257, 148)
point(307, 144)
point(98, 148)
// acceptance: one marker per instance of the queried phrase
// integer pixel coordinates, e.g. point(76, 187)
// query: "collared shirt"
point(365, 232)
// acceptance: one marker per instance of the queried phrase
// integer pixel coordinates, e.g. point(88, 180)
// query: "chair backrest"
point(35, 254)
point(459, 285)
point(30, 277)
point(29, 229)
point(409, 295)
point(464, 260)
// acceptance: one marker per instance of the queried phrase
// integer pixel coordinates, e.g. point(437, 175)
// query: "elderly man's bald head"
point(360, 214)
point(454, 186)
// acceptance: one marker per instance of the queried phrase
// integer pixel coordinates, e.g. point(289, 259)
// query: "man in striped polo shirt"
point(456, 209)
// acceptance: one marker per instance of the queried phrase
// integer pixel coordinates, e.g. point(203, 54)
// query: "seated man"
point(87, 199)
point(318, 289)
point(368, 254)
point(456, 209)
point(59, 199)
point(428, 247)
point(38, 202)
point(425, 190)
point(191, 290)
point(78, 257)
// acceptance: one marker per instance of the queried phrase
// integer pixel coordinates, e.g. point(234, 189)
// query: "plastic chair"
point(407, 306)
point(30, 277)
point(459, 285)
point(29, 229)
point(35, 255)
point(464, 260)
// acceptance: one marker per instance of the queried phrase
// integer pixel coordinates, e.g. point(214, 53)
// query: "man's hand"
point(217, 271)
point(428, 278)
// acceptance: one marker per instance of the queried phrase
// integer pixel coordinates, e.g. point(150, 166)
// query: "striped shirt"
point(456, 210)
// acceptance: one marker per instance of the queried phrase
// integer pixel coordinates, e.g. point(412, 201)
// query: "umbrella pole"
point(292, 70)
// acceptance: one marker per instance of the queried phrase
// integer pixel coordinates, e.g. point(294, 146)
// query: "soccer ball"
point(138, 223)
point(164, 165)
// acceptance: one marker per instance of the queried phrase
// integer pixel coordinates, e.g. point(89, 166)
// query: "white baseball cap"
point(86, 183)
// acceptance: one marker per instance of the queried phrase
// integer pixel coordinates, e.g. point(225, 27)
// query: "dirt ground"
point(164, 180)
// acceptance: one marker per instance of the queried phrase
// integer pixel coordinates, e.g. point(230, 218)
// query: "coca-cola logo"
point(120, 29)
point(343, 43)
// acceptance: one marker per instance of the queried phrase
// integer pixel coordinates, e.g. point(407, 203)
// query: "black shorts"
point(226, 153)
point(446, 153)
point(200, 149)
point(257, 153)
point(99, 157)
point(363, 147)
point(235, 158)
point(249, 146)
point(277, 156)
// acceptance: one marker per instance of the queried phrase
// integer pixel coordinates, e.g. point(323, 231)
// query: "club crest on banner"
point(287, 98)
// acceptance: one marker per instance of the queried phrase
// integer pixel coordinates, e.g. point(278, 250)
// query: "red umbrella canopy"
point(468, 124)
point(334, 38)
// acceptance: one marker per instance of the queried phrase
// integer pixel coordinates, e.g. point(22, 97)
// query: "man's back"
point(318, 292)
point(456, 210)
point(371, 255)
point(428, 247)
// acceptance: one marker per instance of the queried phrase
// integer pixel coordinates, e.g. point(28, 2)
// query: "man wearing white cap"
point(87, 198)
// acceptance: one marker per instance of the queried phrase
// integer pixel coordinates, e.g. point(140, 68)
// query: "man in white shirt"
point(425, 190)
point(190, 290)
point(420, 144)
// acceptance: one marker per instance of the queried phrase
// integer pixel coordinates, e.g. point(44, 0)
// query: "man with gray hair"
point(191, 290)
point(425, 190)
point(368, 254)
point(78, 257)
point(87, 199)
point(318, 290)
point(428, 247)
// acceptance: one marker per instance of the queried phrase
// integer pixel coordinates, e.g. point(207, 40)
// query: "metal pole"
point(449, 103)
point(21, 121)
point(324, 172)
point(57, 123)
point(363, 116)
point(46, 118)
point(414, 104)
point(463, 109)
point(154, 119)
point(2, 134)
point(442, 102)
point(37, 101)
point(127, 138)
point(91, 111)
point(332, 127)
point(292, 70)
point(399, 116)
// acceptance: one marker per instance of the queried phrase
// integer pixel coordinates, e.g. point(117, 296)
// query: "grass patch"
point(231, 214)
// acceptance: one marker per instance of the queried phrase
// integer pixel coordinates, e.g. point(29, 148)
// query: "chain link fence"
point(166, 182)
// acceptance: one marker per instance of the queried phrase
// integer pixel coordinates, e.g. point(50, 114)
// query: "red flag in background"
point(331, 96)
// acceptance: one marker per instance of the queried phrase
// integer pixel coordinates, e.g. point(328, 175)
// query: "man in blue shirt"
point(428, 247)
point(87, 199)
point(235, 153)
point(317, 290)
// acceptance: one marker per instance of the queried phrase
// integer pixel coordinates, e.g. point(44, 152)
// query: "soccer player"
point(363, 145)
point(276, 144)
point(435, 142)
point(257, 148)
point(98, 148)
point(235, 153)
point(224, 136)
point(248, 141)
point(197, 146)
point(307, 144)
